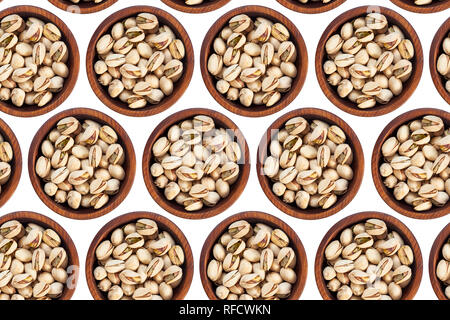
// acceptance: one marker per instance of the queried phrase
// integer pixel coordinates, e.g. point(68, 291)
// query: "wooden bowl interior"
point(129, 164)
point(377, 159)
point(393, 225)
point(206, 6)
point(435, 6)
point(253, 217)
point(435, 51)
point(164, 224)
point(66, 242)
point(311, 6)
point(357, 165)
point(435, 257)
point(83, 6)
point(73, 63)
point(236, 189)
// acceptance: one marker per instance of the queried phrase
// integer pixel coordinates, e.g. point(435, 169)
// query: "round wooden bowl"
point(393, 224)
point(179, 87)
point(82, 7)
point(73, 63)
point(434, 7)
point(129, 165)
point(206, 6)
point(164, 224)
point(66, 242)
point(357, 166)
point(301, 63)
point(435, 257)
point(301, 267)
point(236, 189)
point(311, 7)
point(10, 186)
point(377, 159)
point(435, 52)
point(408, 87)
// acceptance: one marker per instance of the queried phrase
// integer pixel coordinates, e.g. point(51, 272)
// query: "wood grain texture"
point(7, 190)
point(377, 159)
point(236, 189)
point(73, 63)
point(66, 242)
point(434, 7)
point(301, 63)
point(357, 166)
point(311, 7)
point(435, 257)
point(179, 87)
point(408, 87)
point(82, 7)
point(253, 217)
point(393, 224)
point(435, 51)
point(164, 224)
point(129, 165)
point(206, 6)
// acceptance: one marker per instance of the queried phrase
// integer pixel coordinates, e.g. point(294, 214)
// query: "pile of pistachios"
point(139, 262)
point(33, 265)
point(33, 59)
point(309, 163)
point(443, 63)
point(416, 163)
point(443, 268)
point(253, 61)
point(6, 156)
point(139, 61)
point(368, 61)
point(368, 262)
point(196, 163)
point(81, 163)
point(252, 262)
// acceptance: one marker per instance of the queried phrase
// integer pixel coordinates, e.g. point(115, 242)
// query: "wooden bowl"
point(393, 224)
point(357, 166)
point(301, 268)
point(431, 8)
point(236, 190)
point(66, 242)
point(435, 52)
point(164, 224)
point(179, 87)
point(311, 7)
point(206, 6)
point(408, 87)
point(435, 257)
point(73, 63)
point(82, 7)
point(9, 187)
point(377, 159)
point(129, 165)
point(301, 63)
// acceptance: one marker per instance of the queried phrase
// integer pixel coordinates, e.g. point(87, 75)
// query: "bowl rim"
point(85, 8)
point(431, 8)
point(393, 224)
point(385, 194)
point(236, 190)
point(114, 201)
point(311, 8)
point(73, 63)
point(68, 244)
point(343, 200)
point(301, 63)
point(411, 84)
point(435, 51)
point(435, 255)
point(169, 226)
point(198, 9)
point(10, 187)
point(295, 243)
point(179, 89)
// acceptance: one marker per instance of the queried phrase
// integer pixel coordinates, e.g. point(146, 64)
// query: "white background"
point(310, 232)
